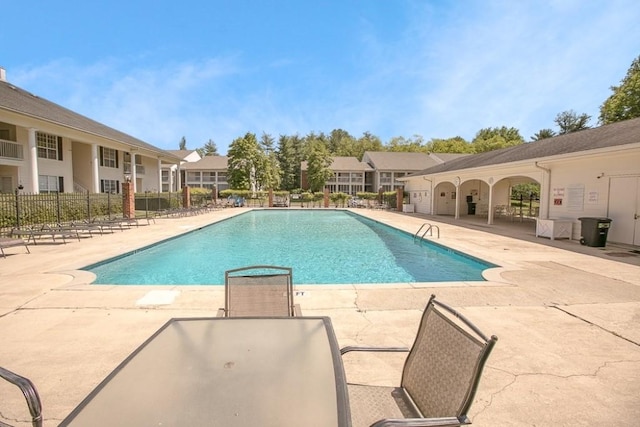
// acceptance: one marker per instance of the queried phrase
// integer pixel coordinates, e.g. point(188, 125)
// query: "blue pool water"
point(322, 247)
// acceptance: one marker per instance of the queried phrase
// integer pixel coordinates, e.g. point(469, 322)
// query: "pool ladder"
point(428, 228)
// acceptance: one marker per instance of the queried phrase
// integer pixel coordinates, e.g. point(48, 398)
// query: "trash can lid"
point(595, 219)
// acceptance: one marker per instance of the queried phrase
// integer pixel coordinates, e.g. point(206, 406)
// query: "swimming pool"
point(322, 247)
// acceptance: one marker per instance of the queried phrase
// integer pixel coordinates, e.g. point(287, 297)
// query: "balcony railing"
point(11, 150)
point(126, 169)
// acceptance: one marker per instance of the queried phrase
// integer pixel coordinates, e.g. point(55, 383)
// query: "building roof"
point(181, 153)
point(603, 137)
point(447, 157)
point(349, 164)
point(207, 163)
point(345, 164)
point(17, 100)
point(398, 161)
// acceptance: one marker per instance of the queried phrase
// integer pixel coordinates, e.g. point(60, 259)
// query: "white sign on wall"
point(575, 197)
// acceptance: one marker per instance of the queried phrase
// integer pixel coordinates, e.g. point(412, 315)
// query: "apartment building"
point(45, 147)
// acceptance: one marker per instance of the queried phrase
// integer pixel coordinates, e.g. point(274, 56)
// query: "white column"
point(490, 212)
point(159, 175)
point(95, 170)
point(456, 182)
point(133, 171)
point(33, 162)
point(430, 210)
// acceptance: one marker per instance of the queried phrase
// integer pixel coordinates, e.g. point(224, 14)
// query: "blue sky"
point(161, 70)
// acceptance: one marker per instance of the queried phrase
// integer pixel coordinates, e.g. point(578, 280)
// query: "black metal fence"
point(22, 210)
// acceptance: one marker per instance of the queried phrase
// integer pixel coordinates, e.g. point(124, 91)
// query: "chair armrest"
point(422, 422)
point(30, 394)
point(347, 349)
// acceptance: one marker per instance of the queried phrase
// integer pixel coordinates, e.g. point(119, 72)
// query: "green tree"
point(267, 143)
point(183, 144)
point(526, 191)
point(543, 134)
point(268, 174)
point(318, 165)
point(410, 145)
point(489, 139)
point(209, 149)
point(457, 144)
point(245, 157)
point(342, 144)
point(624, 103)
point(289, 155)
point(312, 138)
point(570, 121)
point(367, 142)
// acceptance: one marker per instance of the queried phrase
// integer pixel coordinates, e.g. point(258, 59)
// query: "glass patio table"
point(225, 372)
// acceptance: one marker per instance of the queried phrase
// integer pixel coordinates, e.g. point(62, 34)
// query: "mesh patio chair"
point(9, 242)
point(30, 394)
point(261, 290)
point(439, 379)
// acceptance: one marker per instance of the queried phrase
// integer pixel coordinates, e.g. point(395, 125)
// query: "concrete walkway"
point(567, 318)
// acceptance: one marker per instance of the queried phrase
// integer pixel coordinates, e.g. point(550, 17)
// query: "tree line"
point(262, 163)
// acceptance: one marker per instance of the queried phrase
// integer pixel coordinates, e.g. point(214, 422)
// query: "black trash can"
point(594, 231)
point(471, 206)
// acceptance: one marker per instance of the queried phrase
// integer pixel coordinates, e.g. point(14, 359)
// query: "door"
point(6, 184)
point(624, 210)
point(445, 201)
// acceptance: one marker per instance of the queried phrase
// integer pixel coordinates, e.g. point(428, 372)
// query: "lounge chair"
point(8, 242)
point(30, 394)
point(280, 202)
point(81, 228)
point(45, 231)
point(261, 290)
point(440, 376)
point(111, 223)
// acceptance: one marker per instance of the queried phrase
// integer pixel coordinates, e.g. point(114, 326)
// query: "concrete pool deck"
point(567, 318)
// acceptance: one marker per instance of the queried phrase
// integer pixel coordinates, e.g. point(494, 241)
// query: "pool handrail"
point(429, 230)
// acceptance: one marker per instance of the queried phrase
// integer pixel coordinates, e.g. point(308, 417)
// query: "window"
point(108, 157)
point(208, 177)
point(126, 163)
point(193, 176)
point(109, 186)
point(49, 146)
point(50, 184)
point(7, 132)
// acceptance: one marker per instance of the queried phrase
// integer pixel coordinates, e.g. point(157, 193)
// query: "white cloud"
point(449, 71)
point(156, 104)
